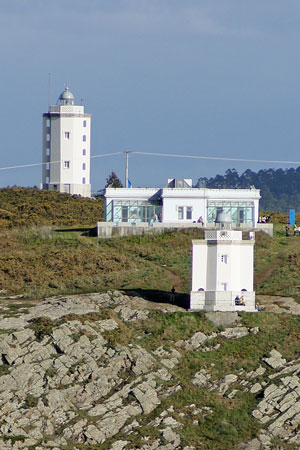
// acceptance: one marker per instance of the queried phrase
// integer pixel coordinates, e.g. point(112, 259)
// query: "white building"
point(180, 203)
point(222, 270)
point(66, 147)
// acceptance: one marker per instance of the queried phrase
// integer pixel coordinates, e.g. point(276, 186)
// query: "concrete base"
point(110, 229)
point(221, 301)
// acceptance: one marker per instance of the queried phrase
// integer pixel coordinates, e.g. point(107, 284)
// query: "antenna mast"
point(126, 169)
point(49, 88)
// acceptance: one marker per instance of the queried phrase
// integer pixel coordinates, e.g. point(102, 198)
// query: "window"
point(224, 259)
point(47, 180)
point(48, 137)
point(67, 164)
point(83, 166)
point(124, 213)
point(83, 180)
point(84, 152)
point(47, 166)
point(180, 213)
point(84, 138)
point(84, 123)
point(48, 123)
point(47, 151)
point(224, 286)
point(67, 134)
point(185, 212)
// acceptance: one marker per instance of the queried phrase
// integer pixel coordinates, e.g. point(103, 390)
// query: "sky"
point(209, 78)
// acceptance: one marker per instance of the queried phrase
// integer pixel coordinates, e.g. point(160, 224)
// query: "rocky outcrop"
point(84, 382)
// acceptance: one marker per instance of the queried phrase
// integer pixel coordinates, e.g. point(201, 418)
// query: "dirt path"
point(278, 304)
point(264, 274)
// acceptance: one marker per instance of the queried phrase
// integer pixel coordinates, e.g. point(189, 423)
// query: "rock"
point(201, 378)
point(93, 435)
point(226, 382)
point(170, 436)
point(275, 360)
point(107, 325)
point(235, 333)
point(119, 445)
point(130, 315)
point(146, 395)
point(256, 388)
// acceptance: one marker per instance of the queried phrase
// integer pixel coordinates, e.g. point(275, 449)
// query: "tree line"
point(279, 189)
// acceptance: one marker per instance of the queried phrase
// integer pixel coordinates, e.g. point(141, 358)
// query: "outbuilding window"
point(224, 259)
point(180, 213)
point(189, 210)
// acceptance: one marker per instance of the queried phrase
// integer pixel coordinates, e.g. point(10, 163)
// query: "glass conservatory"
point(133, 211)
point(240, 212)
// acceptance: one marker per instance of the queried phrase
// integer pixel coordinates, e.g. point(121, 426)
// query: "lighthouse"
point(66, 147)
point(222, 269)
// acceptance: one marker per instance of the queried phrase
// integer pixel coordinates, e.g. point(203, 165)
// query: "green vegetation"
point(43, 259)
point(113, 181)
point(40, 261)
point(25, 207)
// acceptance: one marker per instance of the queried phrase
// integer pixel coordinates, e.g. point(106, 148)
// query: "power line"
point(53, 162)
point(217, 158)
point(167, 155)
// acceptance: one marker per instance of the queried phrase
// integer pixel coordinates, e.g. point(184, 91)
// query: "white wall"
point(67, 119)
point(195, 198)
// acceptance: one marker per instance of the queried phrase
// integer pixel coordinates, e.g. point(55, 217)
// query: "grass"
point(25, 207)
point(46, 259)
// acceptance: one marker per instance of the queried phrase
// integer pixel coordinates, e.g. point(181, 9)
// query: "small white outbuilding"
point(222, 269)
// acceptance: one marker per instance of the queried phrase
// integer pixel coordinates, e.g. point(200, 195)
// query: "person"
point(160, 217)
point(201, 220)
point(237, 300)
point(155, 218)
point(242, 301)
point(287, 229)
point(258, 307)
point(172, 296)
point(295, 229)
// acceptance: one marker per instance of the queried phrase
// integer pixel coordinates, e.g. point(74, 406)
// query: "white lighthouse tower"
point(222, 270)
point(66, 147)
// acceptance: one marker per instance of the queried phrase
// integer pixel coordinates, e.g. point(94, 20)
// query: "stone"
point(170, 436)
point(201, 378)
point(119, 445)
point(256, 388)
point(146, 395)
point(235, 333)
point(275, 360)
point(226, 382)
point(130, 315)
point(107, 325)
point(93, 435)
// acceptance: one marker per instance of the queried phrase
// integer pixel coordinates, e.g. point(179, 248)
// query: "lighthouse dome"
point(65, 98)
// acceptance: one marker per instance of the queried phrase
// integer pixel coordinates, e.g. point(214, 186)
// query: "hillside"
point(111, 371)
point(115, 366)
point(24, 207)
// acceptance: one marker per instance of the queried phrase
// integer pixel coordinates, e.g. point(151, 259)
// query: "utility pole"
point(126, 169)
